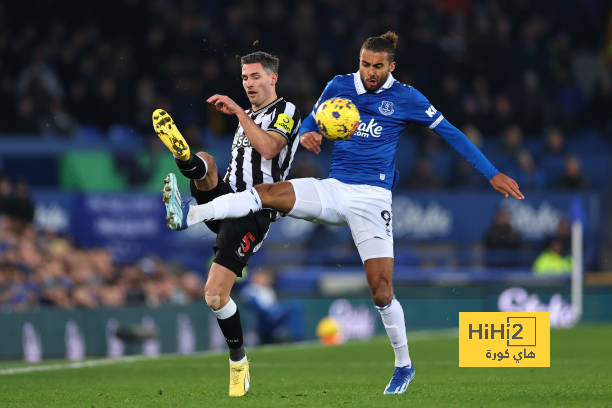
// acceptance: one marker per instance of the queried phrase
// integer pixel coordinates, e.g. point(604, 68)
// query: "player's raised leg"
point(279, 196)
point(201, 168)
point(379, 272)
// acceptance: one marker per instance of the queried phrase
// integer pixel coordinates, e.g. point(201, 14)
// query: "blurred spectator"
point(112, 296)
point(563, 234)
point(572, 178)
point(532, 104)
point(192, 287)
point(555, 143)
point(133, 280)
point(552, 261)
point(85, 296)
point(40, 91)
point(526, 174)
point(276, 321)
point(503, 113)
point(21, 207)
point(569, 96)
point(502, 241)
point(464, 175)
point(501, 234)
point(600, 105)
point(423, 176)
point(511, 146)
point(6, 190)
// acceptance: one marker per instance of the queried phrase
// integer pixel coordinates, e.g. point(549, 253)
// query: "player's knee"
point(264, 190)
point(212, 297)
point(382, 300)
point(277, 195)
point(213, 301)
point(382, 294)
point(215, 296)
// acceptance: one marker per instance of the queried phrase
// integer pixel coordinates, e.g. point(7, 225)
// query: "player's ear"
point(274, 78)
point(392, 66)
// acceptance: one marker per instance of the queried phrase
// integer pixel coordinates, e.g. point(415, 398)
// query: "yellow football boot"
point(239, 379)
point(169, 134)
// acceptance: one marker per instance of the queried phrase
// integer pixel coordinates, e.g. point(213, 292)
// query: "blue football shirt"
point(368, 157)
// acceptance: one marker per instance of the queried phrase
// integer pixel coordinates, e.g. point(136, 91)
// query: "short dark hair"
point(386, 42)
point(268, 61)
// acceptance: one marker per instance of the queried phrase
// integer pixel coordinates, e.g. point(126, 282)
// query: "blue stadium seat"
point(124, 136)
point(89, 133)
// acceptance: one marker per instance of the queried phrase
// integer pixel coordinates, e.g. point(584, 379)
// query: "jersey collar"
point(361, 89)
point(267, 106)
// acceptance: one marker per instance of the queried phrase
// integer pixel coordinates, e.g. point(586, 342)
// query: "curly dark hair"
point(386, 42)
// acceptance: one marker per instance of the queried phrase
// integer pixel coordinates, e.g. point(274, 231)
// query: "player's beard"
point(380, 80)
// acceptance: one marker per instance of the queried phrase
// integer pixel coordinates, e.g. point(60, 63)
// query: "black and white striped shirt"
point(247, 167)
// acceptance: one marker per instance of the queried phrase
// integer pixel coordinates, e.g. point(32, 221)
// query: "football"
point(337, 118)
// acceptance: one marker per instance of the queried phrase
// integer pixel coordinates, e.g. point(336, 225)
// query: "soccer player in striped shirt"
point(262, 151)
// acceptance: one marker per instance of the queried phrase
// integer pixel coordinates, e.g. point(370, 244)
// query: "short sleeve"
point(285, 121)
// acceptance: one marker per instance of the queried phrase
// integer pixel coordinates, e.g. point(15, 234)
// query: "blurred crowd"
point(529, 82)
point(513, 72)
point(40, 268)
point(490, 63)
point(535, 164)
point(506, 248)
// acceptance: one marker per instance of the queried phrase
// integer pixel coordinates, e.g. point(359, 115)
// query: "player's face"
point(374, 68)
point(259, 84)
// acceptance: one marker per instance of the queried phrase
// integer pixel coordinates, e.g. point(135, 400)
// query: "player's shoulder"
point(405, 90)
point(288, 107)
point(342, 80)
point(408, 93)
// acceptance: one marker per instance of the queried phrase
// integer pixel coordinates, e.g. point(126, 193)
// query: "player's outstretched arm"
point(506, 186)
point(267, 143)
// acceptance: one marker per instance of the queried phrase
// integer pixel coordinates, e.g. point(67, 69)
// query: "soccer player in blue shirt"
point(358, 190)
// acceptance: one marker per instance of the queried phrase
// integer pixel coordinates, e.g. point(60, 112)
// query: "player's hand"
point(311, 141)
point(225, 104)
point(506, 186)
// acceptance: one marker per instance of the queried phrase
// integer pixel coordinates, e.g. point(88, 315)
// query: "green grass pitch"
point(309, 375)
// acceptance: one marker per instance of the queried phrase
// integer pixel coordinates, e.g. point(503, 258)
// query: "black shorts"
point(237, 238)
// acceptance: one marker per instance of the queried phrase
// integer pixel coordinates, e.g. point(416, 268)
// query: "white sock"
point(226, 311)
point(393, 319)
point(242, 360)
point(233, 205)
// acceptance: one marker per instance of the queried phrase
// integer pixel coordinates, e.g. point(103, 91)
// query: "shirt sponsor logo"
point(240, 139)
point(284, 123)
point(371, 128)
